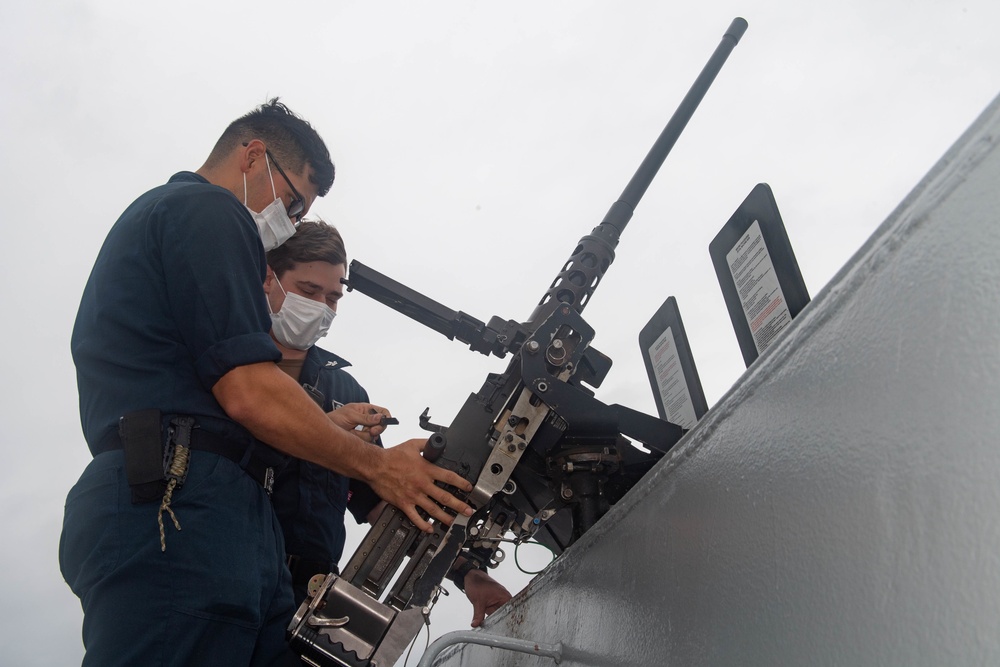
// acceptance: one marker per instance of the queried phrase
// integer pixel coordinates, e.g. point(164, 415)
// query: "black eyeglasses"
point(298, 205)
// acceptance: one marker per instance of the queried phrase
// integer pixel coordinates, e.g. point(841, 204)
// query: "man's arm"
point(275, 409)
point(485, 593)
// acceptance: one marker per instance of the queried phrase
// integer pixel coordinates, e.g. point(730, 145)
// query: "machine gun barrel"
point(621, 211)
point(594, 253)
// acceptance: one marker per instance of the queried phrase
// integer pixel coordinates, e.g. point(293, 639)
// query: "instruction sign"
point(757, 272)
point(764, 305)
point(671, 369)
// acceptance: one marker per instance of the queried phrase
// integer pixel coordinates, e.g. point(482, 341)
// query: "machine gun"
point(545, 457)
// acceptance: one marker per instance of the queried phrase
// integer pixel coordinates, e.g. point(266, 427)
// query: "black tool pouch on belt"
point(142, 440)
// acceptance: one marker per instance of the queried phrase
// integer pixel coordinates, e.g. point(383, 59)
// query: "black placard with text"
point(757, 271)
point(670, 367)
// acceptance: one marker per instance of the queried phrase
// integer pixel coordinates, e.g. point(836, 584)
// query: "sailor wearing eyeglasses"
point(169, 537)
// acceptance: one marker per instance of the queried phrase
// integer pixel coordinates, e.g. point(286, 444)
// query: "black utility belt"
point(255, 466)
point(148, 452)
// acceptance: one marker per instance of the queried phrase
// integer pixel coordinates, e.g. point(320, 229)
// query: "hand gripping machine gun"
point(545, 457)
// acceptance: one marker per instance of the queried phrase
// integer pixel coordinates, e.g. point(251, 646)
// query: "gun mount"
point(545, 457)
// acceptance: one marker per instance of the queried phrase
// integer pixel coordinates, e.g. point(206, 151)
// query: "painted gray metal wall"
point(841, 504)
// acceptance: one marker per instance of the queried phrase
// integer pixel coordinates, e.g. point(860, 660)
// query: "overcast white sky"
point(475, 144)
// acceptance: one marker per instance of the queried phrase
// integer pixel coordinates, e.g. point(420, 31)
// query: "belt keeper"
point(180, 435)
point(176, 460)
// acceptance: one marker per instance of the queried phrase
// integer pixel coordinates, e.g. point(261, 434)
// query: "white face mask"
point(273, 223)
point(300, 322)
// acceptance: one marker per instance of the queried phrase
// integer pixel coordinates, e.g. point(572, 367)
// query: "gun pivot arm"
point(497, 338)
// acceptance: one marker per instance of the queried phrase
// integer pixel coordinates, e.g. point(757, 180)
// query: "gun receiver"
point(545, 457)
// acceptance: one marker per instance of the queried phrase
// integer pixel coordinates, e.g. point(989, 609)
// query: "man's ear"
point(252, 151)
point(269, 280)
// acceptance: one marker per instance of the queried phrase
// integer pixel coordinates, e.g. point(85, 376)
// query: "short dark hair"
point(314, 241)
point(291, 138)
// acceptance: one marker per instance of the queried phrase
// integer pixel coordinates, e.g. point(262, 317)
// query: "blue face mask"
point(273, 223)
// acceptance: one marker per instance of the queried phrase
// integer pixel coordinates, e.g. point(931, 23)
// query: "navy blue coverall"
point(173, 303)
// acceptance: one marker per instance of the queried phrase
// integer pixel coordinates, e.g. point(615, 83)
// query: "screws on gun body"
point(511, 447)
point(532, 346)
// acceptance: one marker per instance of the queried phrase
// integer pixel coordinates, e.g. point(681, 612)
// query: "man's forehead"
point(319, 274)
